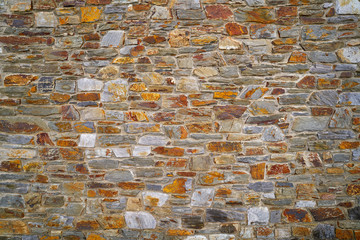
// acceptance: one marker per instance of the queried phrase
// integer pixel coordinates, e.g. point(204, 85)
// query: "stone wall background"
point(179, 119)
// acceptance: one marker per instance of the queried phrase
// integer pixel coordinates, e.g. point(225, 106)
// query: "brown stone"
point(112, 222)
point(15, 40)
point(13, 227)
point(257, 171)
point(287, 11)
point(300, 231)
point(18, 127)
point(224, 146)
point(87, 225)
point(11, 166)
point(229, 112)
point(344, 234)
point(177, 186)
point(218, 12)
point(169, 151)
point(154, 39)
point(353, 189)
point(179, 38)
point(88, 96)
point(235, 29)
point(98, 2)
point(297, 57)
point(59, 97)
point(324, 214)
point(44, 139)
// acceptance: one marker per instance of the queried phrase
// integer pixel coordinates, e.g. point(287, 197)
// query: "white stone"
point(115, 115)
point(205, 72)
point(98, 152)
point(188, 85)
point(45, 19)
point(114, 91)
point(93, 114)
point(198, 237)
point(87, 140)
point(269, 195)
point(283, 233)
point(273, 134)
point(349, 54)
point(246, 232)
point(113, 38)
point(222, 237)
point(258, 215)
point(347, 7)
point(88, 84)
point(155, 140)
point(140, 220)
point(121, 152)
point(202, 197)
point(141, 151)
point(160, 13)
point(154, 198)
point(228, 43)
point(305, 204)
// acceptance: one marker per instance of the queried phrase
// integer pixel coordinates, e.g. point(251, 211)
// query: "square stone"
point(45, 19)
point(258, 216)
point(87, 140)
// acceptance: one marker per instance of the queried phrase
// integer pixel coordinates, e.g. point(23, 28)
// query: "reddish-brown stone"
point(88, 96)
point(98, 2)
point(18, 127)
point(323, 214)
point(154, 39)
point(85, 225)
point(11, 166)
point(353, 189)
point(235, 29)
point(322, 111)
point(277, 169)
point(257, 171)
point(218, 12)
point(287, 11)
point(19, 80)
point(344, 234)
point(15, 40)
point(307, 82)
point(72, 154)
point(229, 112)
point(44, 139)
point(224, 146)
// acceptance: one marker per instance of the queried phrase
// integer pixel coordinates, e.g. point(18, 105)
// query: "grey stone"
point(74, 209)
point(12, 201)
point(65, 86)
point(45, 19)
point(111, 140)
point(188, 85)
point(257, 92)
point(190, 14)
point(217, 215)
point(275, 216)
point(11, 187)
point(277, 202)
point(298, 98)
point(193, 222)
point(141, 151)
point(318, 33)
point(356, 154)
point(305, 123)
point(187, 4)
point(229, 72)
point(119, 176)
point(324, 232)
point(19, 139)
point(265, 187)
point(347, 7)
point(324, 98)
point(60, 222)
point(221, 237)
point(354, 213)
point(350, 98)
point(336, 135)
point(197, 237)
point(140, 220)
point(114, 91)
point(149, 172)
point(325, 57)
point(320, 68)
point(155, 140)
point(296, 68)
point(88, 84)
point(120, 204)
point(255, 3)
point(342, 19)
point(200, 163)
point(252, 129)
point(258, 215)
point(202, 197)
point(305, 204)
point(349, 54)
point(341, 118)
point(45, 84)
point(103, 164)
point(262, 107)
point(341, 157)
point(273, 134)
point(113, 38)
point(160, 13)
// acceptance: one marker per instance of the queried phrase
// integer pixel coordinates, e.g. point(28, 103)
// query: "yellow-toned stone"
point(90, 14)
point(225, 95)
point(134, 204)
point(137, 116)
point(138, 87)
point(123, 60)
point(34, 167)
point(94, 236)
point(151, 96)
point(13, 227)
point(204, 40)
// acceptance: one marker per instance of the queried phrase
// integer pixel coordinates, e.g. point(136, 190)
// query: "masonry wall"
point(179, 119)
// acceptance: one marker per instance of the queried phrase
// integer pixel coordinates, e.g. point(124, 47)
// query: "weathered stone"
point(273, 134)
point(235, 29)
point(228, 43)
point(179, 38)
point(260, 15)
point(216, 215)
point(218, 12)
point(265, 187)
point(341, 118)
point(202, 197)
point(156, 140)
point(188, 85)
point(45, 19)
point(113, 38)
point(324, 231)
point(350, 98)
point(347, 7)
point(154, 198)
point(258, 215)
point(326, 97)
point(349, 54)
point(318, 33)
point(140, 220)
point(114, 91)
point(297, 215)
point(90, 14)
point(119, 176)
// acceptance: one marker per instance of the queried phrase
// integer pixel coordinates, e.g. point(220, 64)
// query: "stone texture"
point(258, 215)
point(140, 220)
point(202, 197)
point(113, 38)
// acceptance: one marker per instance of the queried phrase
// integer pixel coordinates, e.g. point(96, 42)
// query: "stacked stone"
point(179, 119)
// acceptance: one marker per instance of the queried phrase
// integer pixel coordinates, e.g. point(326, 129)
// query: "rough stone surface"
point(179, 119)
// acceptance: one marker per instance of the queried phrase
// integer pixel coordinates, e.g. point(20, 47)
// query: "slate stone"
point(324, 231)
point(354, 213)
point(341, 157)
point(155, 198)
point(318, 33)
point(347, 7)
point(88, 84)
point(336, 135)
point(275, 216)
point(350, 98)
point(12, 201)
point(202, 197)
point(11, 187)
point(103, 164)
point(306, 123)
point(324, 57)
point(119, 176)
point(273, 134)
point(265, 187)
point(65, 86)
point(192, 222)
point(155, 140)
point(216, 215)
point(45, 84)
point(341, 119)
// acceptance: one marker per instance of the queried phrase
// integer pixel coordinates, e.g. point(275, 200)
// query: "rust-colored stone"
point(19, 80)
point(323, 214)
point(297, 215)
point(88, 96)
point(235, 29)
point(224, 146)
point(169, 151)
point(297, 57)
point(178, 186)
point(322, 111)
point(286, 11)
point(307, 82)
point(344, 234)
point(257, 171)
point(90, 14)
point(277, 169)
point(218, 12)
point(11, 166)
point(349, 145)
point(154, 39)
point(87, 225)
point(353, 189)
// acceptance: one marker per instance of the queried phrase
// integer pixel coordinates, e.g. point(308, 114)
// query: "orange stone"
point(199, 103)
point(87, 225)
point(94, 236)
point(138, 87)
point(211, 176)
point(307, 82)
point(59, 97)
point(179, 232)
point(178, 186)
point(287, 11)
point(88, 96)
point(199, 127)
point(154, 39)
point(131, 185)
point(13, 227)
point(74, 187)
point(277, 169)
point(322, 111)
point(150, 96)
point(224, 146)
point(90, 14)
point(169, 151)
point(108, 193)
point(353, 189)
point(301, 231)
point(123, 60)
point(19, 80)
point(10, 166)
point(344, 234)
point(257, 171)
point(225, 95)
point(297, 57)
point(235, 29)
point(349, 145)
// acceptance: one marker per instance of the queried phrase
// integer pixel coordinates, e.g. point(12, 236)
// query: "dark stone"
point(354, 213)
point(227, 228)
point(262, 186)
point(194, 222)
point(324, 232)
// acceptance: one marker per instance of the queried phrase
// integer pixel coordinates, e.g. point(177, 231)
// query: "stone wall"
point(179, 119)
